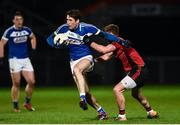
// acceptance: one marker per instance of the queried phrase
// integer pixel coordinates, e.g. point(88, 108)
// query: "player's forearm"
point(101, 48)
point(104, 57)
point(33, 42)
point(107, 56)
point(1, 49)
point(97, 47)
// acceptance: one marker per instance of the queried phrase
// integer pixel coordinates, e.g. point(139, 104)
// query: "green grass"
point(60, 105)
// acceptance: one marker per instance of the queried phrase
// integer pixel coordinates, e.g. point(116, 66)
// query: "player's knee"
point(31, 82)
point(76, 70)
point(116, 89)
point(16, 84)
point(119, 88)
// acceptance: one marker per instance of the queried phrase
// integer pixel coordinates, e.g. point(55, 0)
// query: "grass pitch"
point(59, 105)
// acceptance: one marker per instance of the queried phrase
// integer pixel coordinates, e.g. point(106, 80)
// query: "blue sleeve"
point(50, 40)
point(6, 35)
point(110, 37)
point(113, 38)
point(29, 31)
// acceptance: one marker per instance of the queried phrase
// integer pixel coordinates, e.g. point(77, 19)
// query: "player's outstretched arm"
point(114, 38)
point(103, 49)
point(110, 37)
point(95, 44)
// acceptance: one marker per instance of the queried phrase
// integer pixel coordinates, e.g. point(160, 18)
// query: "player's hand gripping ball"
point(60, 38)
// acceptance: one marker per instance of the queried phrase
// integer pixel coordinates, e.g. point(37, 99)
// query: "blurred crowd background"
point(152, 25)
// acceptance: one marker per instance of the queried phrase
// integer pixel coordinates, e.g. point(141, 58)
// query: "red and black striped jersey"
point(128, 56)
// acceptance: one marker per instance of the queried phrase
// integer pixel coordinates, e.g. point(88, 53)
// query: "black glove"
point(88, 39)
point(1, 60)
point(126, 43)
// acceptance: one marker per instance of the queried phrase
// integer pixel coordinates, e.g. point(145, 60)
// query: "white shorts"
point(89, 57)
point(128, 82)
point(18, 65)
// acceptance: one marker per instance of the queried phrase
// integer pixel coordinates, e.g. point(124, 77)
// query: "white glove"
point(60, 38)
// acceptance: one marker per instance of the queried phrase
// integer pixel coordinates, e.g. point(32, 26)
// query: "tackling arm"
point(104, 57)
point(103, 49)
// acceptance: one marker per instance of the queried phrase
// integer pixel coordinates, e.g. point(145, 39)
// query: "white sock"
point(82, 94)
point(99, 108)
point(122, 116)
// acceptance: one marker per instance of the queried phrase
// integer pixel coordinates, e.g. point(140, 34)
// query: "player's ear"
point(77, 21)
point(13, 20)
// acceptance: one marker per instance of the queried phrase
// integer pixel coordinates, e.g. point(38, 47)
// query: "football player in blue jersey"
point(17, 38)
point(73, 34)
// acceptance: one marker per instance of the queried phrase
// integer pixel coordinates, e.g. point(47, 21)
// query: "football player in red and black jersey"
point(134, 67)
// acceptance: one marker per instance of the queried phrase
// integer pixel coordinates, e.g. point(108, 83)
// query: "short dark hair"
point(18, 13)
point(74, 13)
point(112, 28)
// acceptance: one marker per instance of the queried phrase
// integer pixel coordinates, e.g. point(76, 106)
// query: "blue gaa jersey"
point(77, 47)
point(17, 41)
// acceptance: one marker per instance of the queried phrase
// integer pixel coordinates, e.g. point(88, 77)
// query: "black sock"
point(15, 105)
point(27, 100)
point(148, 109)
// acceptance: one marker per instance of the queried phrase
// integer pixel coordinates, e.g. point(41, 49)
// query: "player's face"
point(18, 21)
point(71, 22)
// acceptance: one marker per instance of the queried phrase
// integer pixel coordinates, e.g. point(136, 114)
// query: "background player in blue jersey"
point(81, 60)
point(17, 38)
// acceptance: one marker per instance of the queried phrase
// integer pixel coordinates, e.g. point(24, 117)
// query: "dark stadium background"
point(153, 26)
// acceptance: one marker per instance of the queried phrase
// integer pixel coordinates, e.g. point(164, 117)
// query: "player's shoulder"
point(62, 28)
point(11, 28)
point(86, 25)
point(26, 28)
point(89, 28)
point(8, 31)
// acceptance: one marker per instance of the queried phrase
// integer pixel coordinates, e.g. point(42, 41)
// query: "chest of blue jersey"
point(18, 37)
point(17, 40)
point(77, 47)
